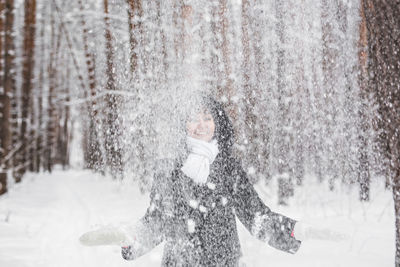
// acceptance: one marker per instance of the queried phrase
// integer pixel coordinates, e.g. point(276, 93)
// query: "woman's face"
point(201, 126)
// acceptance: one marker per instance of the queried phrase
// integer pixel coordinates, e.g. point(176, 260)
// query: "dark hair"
point(223, 126)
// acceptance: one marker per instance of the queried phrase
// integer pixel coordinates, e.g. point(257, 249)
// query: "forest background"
point(312, 87)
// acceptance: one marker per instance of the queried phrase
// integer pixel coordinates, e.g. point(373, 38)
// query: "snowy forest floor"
point(42, 218)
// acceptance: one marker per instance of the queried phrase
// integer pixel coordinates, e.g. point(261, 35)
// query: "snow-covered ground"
point(42, 218)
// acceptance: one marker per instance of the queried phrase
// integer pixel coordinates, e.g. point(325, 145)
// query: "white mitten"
point(105, 236)
point(303, 231)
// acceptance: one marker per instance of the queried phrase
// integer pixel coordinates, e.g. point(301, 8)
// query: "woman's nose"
point(202, 124)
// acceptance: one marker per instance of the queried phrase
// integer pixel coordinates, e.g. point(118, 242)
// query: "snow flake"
point(224, 201)
point(258, 220)
point(202, 209)
point(191, 225)
point(152, 207)
point(211, 185)
point(193, 203)
point(251, 170)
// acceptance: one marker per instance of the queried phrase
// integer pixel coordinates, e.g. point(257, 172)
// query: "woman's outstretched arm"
point(148, 232)
point(144, 235)
point(268, 226)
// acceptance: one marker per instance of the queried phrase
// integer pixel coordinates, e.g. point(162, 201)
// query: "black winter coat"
point(198, 224)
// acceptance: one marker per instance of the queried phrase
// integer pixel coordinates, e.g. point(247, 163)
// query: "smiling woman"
point(193, 208)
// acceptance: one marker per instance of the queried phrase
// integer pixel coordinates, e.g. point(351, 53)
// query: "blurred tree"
point(252, 132)
point(51, 127)
point(135, 13)
point(331, 71)
point(93, 153)
point(383, 35)
point(284, 135)
point(5, 134)
point(9, 85)
point(26, 91)
point(38, 156)
point(364, 177)
point(112, 129)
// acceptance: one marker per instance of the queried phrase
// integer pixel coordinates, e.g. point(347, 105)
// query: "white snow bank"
point(42, 218)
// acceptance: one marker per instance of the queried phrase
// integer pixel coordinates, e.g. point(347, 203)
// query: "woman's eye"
point(192, 117)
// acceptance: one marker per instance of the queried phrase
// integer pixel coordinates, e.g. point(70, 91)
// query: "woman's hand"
point(128, 253)
point(105, 236)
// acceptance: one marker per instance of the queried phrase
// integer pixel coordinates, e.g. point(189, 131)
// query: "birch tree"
point(10, 88)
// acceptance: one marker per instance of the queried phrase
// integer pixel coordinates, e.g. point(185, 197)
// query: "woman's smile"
point(201, 126)
point(202, 132)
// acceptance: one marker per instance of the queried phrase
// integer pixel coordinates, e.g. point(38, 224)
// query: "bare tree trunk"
point(60, 148)
point(250, 132)
point(2, 8)
point(285, 183)
point(5, 134)
point(15, 126)
point(94, 157)
point(31, 133)
point(27, 76)
point(383, 24)
point(135, 16)
point(330, 56)
point(363, 173)
point(40, 85)
point(9, 82)
point(66, 123)
point(51, 108)
point(135, 13)
point(112, 133)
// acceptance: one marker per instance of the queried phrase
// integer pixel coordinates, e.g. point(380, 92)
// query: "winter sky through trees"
point(312, 88)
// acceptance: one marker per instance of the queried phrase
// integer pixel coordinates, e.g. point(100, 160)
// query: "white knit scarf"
point(201, 155)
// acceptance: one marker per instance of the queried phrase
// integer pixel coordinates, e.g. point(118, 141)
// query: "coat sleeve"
point(148, 232)
point(268, 226)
